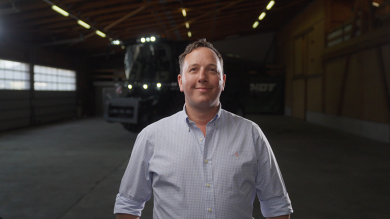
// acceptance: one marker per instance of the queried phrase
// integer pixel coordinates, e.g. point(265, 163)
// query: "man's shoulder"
point(236, 120)
point(166, 122)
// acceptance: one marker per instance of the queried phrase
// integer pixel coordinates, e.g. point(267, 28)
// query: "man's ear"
point(224, 80)
point(179, 78)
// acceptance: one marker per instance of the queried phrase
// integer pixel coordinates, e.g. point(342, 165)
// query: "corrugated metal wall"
point(21, 108)
point(15, 109)
point(54, 105)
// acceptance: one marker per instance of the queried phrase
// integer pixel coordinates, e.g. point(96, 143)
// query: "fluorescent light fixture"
point(130, 86)
point(82, 23)
point(187, 25)
point(184, 12)
point(100, 33)
point(270, 4)
point(59, 10)
point(189, 34)
point(255, 24)
point(158, 85)
point(375, 4)
point(145, 86)
point(147, 39)
point(262, 16)
point(143, 40)
point(152, 38)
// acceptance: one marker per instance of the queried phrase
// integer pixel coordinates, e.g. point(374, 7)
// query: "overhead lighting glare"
point(187, 25)
point(100, 33)
point(270, 4)
point(147, 39)
point(116, 42)
point(184, 12)
point(143, 40)
point(152, 38)
point(59, 10)
point(261, 17)
point(255, 24)
point(82, 23)
point(158, 85)
point(145, 86)
point(130, 86)
point(189, 34)
point(375, 4)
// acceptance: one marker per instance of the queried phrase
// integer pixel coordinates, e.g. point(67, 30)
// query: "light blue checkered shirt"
point(199, 177)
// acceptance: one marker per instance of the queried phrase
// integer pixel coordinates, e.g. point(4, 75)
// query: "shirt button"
point(200, 139)
point(209, 209)
point(206, 161)
point(208, 185)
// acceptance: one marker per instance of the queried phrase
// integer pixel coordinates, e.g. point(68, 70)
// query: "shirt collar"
point(218, 115)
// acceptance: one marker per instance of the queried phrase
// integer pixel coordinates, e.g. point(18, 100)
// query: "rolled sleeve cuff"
point(276, 206)
point(127, 206)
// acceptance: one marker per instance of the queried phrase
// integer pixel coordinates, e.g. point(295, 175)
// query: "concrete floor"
point(73, 170)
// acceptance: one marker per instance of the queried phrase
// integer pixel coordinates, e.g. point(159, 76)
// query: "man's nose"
point(202, 75)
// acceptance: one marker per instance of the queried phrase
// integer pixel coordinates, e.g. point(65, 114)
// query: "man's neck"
point(201, 116)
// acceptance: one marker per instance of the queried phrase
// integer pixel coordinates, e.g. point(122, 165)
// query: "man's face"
point(201, 79)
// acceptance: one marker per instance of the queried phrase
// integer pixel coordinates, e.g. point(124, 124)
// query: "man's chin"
point(205, 104)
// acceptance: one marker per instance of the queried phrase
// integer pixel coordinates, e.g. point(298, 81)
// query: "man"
point(202, 162)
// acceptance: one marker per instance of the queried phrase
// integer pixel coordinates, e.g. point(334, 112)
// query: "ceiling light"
point(123, 47)
point(100, 34)
point(145, 86)
point(189, 34)
point(142, 40)
point(147, 39)
point(116, 42)
point(82, 23)
point(158, 85)
point(375, 4)
point(129, 86)
point(59, 10)
point(184, 12)
point(187, 25)
point(255, 24)
point(270, 4)
point(152, 38)
point(262, 16)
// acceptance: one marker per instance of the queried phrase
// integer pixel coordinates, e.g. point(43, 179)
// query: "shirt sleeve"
point(270, 188)
point(136, 185)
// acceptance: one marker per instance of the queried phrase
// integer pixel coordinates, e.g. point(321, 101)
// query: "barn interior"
point(312, 73)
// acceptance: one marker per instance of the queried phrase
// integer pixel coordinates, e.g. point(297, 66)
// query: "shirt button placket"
point(209, 192)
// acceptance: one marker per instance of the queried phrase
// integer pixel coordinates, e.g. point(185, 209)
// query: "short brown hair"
point(197, 44)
